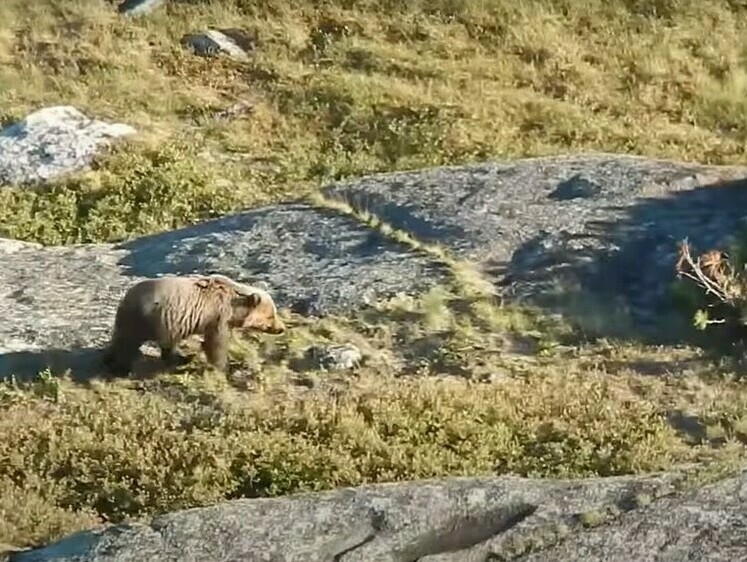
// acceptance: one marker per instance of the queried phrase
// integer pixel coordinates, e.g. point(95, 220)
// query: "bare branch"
point(695, 272)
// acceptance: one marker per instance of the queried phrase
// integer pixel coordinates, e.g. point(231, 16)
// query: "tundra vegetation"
point(338, 89)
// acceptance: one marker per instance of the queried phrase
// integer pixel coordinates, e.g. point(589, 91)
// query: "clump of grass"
point(642, 500)
point(593, 518)
point(118, 453)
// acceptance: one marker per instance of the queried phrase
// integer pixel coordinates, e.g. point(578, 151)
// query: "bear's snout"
point(276, 328)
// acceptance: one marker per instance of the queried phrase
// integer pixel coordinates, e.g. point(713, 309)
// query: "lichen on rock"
point(53, 141)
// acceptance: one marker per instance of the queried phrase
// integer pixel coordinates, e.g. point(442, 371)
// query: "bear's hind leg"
point(215, 345)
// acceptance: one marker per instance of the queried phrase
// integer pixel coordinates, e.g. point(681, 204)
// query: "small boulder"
point(234, 42)
point(343, 357)
point(51, 142)
point(138, 7)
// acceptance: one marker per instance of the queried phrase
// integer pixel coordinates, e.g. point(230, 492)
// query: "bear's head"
point(253, 308)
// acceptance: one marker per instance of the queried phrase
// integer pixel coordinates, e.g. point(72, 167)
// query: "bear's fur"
point(169, 309)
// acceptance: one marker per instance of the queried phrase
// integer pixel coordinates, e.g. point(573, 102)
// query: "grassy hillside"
point(337, 91)
point(454, 384)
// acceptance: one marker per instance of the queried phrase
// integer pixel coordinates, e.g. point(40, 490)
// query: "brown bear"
point(167, 310)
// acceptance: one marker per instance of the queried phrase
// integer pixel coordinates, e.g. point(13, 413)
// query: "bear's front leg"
point(215, 345)
point(114, 364)
point(171, 357)
point(121, 354)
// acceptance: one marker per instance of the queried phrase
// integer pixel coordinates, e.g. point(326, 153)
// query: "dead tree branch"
point(711, 271)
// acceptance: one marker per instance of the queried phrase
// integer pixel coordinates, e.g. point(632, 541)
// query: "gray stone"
point(708, 524)
point(213, 42)
point(454, 520)
point(51, 142)
point(139, 7)
point(488, 210)
point(336, 357)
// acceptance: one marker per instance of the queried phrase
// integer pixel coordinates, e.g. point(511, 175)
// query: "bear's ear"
point(250, 301)
point(203, 282)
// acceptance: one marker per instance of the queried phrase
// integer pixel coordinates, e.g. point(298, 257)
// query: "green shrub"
point(129, 194)
point(121, 453)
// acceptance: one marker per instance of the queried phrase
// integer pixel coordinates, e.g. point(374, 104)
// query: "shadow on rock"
point(692, 427)
point(83, 363)
point(592, 235)
point(617, 278)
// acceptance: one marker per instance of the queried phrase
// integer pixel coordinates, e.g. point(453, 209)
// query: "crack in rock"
point(464, 532)
point(364, 534)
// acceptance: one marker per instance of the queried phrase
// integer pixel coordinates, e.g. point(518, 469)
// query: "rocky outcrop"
point(51, 142)
point(313, 260)
point(607, 225)
point(647, 519)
